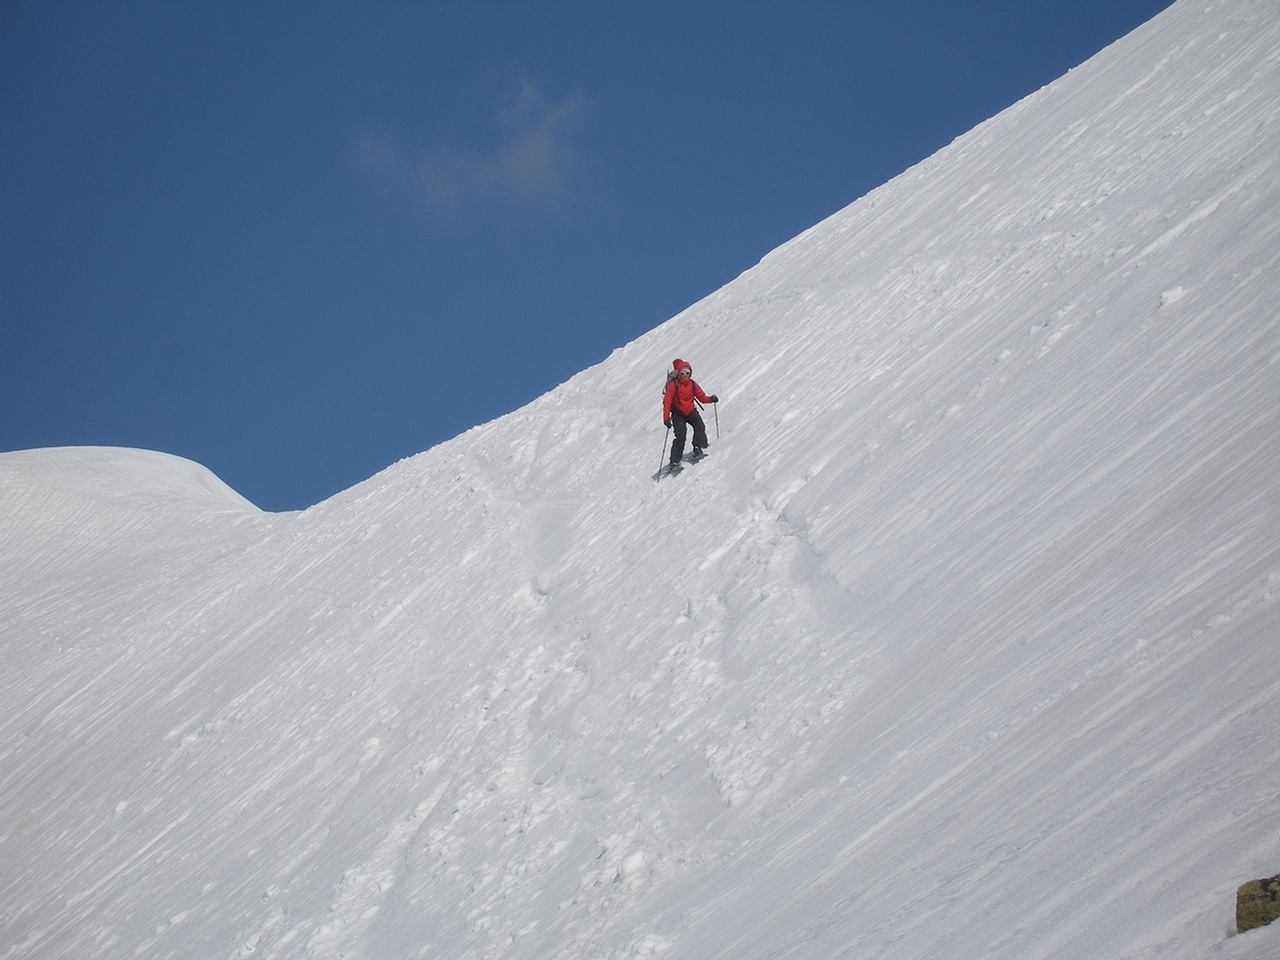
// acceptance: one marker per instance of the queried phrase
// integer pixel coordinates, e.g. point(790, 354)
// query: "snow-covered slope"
point(963, 643)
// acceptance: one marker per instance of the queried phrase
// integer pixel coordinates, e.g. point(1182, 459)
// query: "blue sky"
point(298, 241)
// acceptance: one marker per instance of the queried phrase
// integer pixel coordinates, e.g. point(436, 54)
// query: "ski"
point(671, 469)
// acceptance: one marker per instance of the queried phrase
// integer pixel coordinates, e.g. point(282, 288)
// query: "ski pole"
point(715, 408)
point(664, 453)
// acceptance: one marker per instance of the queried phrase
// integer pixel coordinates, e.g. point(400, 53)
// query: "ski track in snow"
point(961, 643)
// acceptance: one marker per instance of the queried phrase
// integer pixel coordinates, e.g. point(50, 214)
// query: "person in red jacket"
point(679, 410)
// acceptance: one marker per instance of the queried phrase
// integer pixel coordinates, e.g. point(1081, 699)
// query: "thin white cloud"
point(530, 170)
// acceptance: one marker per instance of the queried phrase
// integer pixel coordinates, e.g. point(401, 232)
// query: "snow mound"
point(110, 475)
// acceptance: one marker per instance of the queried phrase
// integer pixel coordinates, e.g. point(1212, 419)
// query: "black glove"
point(667, 424)
point(713, 399)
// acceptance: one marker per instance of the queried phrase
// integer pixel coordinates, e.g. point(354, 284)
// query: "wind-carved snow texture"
point(961, 643)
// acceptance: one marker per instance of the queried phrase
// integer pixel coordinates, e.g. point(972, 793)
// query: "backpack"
point(672, 377)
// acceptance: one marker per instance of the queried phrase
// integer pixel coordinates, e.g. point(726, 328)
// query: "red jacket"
point(680, 394)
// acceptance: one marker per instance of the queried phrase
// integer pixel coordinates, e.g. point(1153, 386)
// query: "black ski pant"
point(680, 424)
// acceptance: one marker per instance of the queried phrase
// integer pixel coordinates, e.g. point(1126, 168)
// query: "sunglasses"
point(686, 373)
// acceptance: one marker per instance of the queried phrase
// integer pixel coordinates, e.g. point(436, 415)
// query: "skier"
point(679, 410)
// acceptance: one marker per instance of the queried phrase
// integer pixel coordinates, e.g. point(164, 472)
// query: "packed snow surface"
point(962, 643)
